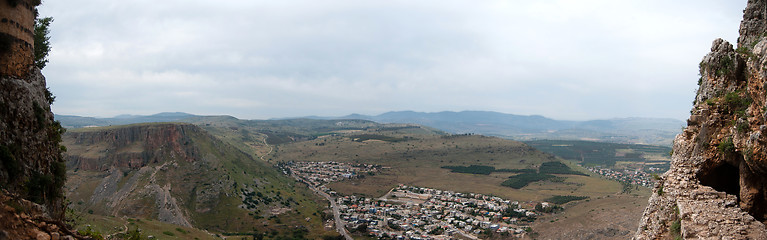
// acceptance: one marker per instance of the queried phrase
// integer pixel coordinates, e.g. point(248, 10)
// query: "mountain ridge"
point(535, 127)
point(634, 130)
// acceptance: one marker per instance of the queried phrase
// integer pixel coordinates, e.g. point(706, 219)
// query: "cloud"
point(262, 59)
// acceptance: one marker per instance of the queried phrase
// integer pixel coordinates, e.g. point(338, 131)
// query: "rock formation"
point(172, 172)
point(717, 184)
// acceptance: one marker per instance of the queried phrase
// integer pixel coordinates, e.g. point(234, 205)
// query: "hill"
point(69, 121)
point(652, 131)
point(178, 173)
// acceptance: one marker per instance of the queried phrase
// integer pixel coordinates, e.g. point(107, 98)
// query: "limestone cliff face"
point(130, 147)
point(717, 184)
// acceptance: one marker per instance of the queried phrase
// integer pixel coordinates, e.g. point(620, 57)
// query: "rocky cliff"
point(32, 170)
point(130, 147)
point(717, 184)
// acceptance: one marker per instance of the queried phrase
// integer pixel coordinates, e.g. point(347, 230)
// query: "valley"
point(228, 176)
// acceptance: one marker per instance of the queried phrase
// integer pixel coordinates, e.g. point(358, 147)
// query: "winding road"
point(336, 213)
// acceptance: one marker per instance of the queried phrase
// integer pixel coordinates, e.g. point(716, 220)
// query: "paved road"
point(336, 213)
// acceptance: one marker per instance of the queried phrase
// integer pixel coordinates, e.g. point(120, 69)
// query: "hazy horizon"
point(344, 115)
point(563, 60)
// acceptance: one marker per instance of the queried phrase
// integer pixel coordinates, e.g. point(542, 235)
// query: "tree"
point(42, 41)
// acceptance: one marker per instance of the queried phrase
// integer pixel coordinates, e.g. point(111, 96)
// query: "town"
point(409, 212)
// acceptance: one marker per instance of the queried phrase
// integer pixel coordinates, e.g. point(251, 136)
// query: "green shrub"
point(169, 233)
point(737, 104)
point(726, 146)
point(93, 234)
point(676, 228)
point(726, 64)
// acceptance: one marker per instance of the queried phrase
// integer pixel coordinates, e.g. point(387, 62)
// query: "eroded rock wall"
point(31, 163)
point(129, 147)
point(717, 184)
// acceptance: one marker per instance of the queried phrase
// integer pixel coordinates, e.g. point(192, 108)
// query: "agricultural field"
point(608, 155)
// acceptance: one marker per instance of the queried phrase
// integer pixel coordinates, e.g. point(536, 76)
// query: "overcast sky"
point(254, 59)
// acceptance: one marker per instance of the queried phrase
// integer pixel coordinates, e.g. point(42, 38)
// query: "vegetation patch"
point(558, 168)
point(737, 104)
point(365, 137)
point(485, 170)
point(726, 146)
point(676, 229)
point(558, 199)
point(522, 180)
point(90, 233)
point(524, 170)
point(473, 169)
point(726, 64)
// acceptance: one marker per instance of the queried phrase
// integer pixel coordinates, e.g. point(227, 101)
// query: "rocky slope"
point(178, 173)
point(716, 185)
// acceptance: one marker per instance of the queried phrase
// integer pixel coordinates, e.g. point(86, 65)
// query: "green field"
point(606, 154)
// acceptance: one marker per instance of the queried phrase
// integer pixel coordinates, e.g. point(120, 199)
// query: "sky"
point(256, 59)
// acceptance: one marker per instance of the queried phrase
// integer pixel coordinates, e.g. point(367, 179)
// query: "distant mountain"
point(655, 131)
point(69, 121)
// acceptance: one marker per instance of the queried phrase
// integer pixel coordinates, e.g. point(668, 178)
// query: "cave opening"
point(724, 178)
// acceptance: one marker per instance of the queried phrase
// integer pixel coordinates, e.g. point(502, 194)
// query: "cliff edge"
point(716, 186)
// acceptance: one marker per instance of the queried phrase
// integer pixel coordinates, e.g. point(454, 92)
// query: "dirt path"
point(270, 149)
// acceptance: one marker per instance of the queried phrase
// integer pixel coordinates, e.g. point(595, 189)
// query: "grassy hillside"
point(178, 173)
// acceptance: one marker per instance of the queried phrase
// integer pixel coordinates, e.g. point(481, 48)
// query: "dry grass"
point(606, 217)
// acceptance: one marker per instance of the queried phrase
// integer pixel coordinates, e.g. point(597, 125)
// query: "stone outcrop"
point(717, 184)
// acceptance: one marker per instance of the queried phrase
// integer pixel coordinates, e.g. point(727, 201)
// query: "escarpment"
point(717, 183)
point(129, 147)
point(172, 172)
